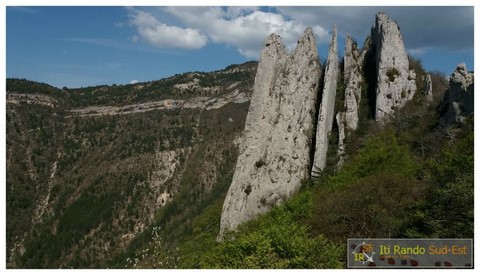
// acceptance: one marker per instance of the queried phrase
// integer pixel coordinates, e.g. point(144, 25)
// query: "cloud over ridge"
point(156, 33)
point(244, 28)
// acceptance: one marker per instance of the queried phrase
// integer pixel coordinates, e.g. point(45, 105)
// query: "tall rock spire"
point(275, 148)
point(353, 81)
point(326, 112)
point(395, 83)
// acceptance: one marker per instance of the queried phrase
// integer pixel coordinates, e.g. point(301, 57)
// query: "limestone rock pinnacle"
point(274, 154)
point(326, 112)
point(353, 80)
point(395, 83)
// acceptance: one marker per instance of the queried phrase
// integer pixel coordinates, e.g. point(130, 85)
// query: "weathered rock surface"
point(326, 112)
point(274, 153)
point(427, 87)
point(395, 83)
point(341, 138)
point(353, 80)
point(458, 99)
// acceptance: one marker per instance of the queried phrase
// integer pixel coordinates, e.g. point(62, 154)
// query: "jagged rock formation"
point(274, 154)
point(280, 133)
point(395, 83)
point(353, 81)
point(427, 88)
point(458, 99)
point(326, 112)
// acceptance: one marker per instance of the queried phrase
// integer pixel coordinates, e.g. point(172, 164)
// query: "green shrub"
point(381, 153)
point(392, 73)
point(376, 206)
point(276, 240)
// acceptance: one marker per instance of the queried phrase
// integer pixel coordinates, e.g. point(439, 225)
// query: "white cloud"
point(156, 33)
point(418, 51)
point(244, 28)
point(133, 81)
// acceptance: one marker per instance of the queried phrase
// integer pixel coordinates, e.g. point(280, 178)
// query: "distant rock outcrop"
point(326, 112)
point(395, 82)
point(274, 154)
point(427, 88)
point(458, 100)
point(38, 99)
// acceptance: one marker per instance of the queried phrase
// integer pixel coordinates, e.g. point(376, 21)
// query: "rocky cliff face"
point(395, 82)
point(458, 100)
point(326, 112)
point(274, 154)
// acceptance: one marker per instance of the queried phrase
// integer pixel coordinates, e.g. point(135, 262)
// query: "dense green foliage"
point(15, 85)
point(371, 194)
point(447, 209)
point(276, 240)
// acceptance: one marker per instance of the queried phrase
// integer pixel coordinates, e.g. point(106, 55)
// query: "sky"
point(88, 46)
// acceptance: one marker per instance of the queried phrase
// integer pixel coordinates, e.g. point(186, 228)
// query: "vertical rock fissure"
point(315, 121)
point(370, 76)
